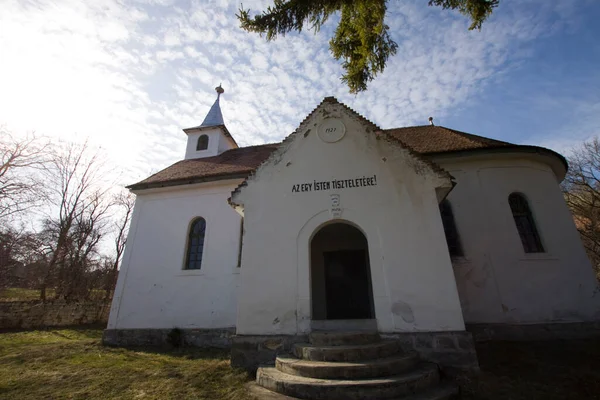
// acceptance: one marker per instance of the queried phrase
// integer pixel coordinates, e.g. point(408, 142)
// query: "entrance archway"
point(340, 274)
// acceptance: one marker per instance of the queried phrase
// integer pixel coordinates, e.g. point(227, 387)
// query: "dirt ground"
point(548, 370)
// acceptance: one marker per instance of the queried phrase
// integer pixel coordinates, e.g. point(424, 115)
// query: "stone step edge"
point(409, 376)
point(372, 368)
point(343, 338)
point(303, 350)
point(386, 342)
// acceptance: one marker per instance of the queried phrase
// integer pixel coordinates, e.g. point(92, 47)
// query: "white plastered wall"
point(412, 277)
point(497, 281)
point(153, 289)
point(217, 142)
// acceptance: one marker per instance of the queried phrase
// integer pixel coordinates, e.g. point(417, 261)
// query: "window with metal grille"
point(195, 248)
point(202, 143)
point(452, 238)
point(525, 223)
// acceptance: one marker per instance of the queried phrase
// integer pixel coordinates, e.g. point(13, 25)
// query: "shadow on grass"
point(549, 370)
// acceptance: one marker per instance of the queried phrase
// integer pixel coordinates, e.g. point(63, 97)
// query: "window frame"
point(188, 248)
point(530, 238)
point(460, 253)
point(241, 244)
point(204, 135)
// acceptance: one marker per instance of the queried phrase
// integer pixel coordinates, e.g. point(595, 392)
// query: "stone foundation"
point(569, 330)
point(38, 314)
point(455, 350)
point(250, 351)
point(448, 349)
point(218, 338)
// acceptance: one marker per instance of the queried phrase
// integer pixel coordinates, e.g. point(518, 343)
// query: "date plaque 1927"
point(331, 130)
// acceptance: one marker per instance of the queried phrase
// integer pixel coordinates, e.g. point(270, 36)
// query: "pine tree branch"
point(362, 40)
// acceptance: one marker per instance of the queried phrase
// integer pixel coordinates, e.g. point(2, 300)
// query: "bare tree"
point(9, 239)
point(21, 162)
point(75, 176)
point(20, 258)
point(581, 189)
point(82, 249)
point(125, 202)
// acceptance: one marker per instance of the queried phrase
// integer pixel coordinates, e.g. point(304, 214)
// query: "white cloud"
point(259, 61)
point(130, 74)
point(171, 39)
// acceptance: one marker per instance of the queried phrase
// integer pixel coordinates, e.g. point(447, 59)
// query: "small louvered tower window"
point(525, 223)
point(202, 143)
point(452, 238)
point(195, 247)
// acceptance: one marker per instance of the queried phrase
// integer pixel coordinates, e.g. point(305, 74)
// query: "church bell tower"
point(211, 137)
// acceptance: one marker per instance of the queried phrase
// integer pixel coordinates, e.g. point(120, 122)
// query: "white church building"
point(411, 232)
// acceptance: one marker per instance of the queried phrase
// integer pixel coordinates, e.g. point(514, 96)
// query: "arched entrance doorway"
point(340, 274)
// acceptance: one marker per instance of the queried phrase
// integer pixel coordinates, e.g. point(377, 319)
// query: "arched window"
point(525, 223)
point(452, 238)
point(195, 247)
point(202, 143)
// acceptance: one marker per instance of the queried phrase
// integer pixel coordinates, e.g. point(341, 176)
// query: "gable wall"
point(153, 289)
point(497, 281)
point(413, 283)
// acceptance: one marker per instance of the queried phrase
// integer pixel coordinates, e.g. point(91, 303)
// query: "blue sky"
point(130, 74)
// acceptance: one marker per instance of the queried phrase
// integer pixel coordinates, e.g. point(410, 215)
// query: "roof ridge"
point(434, 166)
point(473, 137)
point(251, 146)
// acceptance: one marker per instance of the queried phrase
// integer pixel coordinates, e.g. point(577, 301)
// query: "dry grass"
point(20, 294)
point(72, 364)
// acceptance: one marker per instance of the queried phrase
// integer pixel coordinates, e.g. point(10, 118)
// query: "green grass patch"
point(21, 294)
point(72, 364)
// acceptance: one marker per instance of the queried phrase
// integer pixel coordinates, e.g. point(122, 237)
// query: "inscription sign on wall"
point(335, 184)
point(331, 130)
point(336, 206)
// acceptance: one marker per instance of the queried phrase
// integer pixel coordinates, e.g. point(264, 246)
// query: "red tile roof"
point(438, 139)
point(240, 162)
point(231, 164)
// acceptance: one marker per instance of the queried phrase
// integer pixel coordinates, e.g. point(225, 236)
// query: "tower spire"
point(214, 116)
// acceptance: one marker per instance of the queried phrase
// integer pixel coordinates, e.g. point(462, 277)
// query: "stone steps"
point(351, 366)
point(343, 338)
point(421, 378)
point(347, 370)
point(380, 349)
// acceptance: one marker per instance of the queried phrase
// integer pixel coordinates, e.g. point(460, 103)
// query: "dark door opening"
point(347, 284)
point(340, 274)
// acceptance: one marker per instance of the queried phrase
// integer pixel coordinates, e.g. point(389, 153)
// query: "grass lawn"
point(72, 364)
